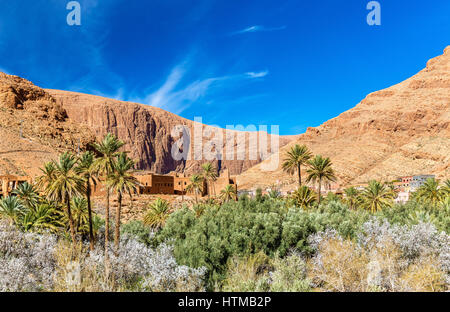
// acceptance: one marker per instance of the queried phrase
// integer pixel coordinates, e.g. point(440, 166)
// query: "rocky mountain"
point(33, 127)
point(36, 124)
point(402, 130)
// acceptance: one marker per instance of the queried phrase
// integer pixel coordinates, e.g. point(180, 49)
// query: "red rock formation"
point(145, 129)
point(402, 130)
point(52, 121)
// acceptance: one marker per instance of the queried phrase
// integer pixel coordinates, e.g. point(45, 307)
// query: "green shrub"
point(289, 275)
point(414, 212)
point(139, 231)
point(236, 228)
point(248, 226)
point(260, 273)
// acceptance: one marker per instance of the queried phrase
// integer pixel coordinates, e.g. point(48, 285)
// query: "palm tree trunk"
point(208, 189)
point(320, 188)
point(91, 231)
point(117, 229)
point(107, 224)
point(71, 225)
point(299, 169)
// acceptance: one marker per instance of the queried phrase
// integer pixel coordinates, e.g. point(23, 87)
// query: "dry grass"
point(73, 275)
point(342, 266)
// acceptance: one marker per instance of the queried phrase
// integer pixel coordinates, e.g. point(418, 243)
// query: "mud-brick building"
point(222, 181)
point(171, 184)
point(155, 184)
point(181, 182)
point(8, 183)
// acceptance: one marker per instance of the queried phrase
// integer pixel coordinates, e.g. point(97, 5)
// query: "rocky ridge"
point(402, 130)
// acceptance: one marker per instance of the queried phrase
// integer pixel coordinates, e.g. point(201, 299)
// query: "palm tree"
point(196, 185)
point(66, 184)
point(351, 197)
point(210, 175)
point(47, 177)
point(42, 217)
point(27, 194)
point(158, 212)
point(296, 157)
point(377, 196)
point(303, 197)
point(332, 197)
point(80, 213)
point(121, 181)
point(320, 170)
point(447, 187)
point(229, 193)
point(108, 150)
point(89, 172)
point(199, 210)
point(430, 192)
point(11, 208)
point(274, 194)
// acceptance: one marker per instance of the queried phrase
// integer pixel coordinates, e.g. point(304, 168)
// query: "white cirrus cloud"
point(260, 74)
point(257, 28)
point(175, 95)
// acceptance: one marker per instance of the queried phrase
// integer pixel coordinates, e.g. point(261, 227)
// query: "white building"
point(402, 197)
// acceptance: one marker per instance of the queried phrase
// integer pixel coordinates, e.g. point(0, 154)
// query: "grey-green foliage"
point(289, 275)
point(260, 273)
point(239, 228)
point(139, 231)
point(247, 227)
point(413, 213)
point(300, 224)
point(271, 226)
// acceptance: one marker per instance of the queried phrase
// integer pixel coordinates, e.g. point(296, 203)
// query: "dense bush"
point(299, 224)
point(36, 262)
point(260, 244)
point(139, 231)
point(271, 226)
point(258, 272)
point(247, 227)
point(384, 257)
point(413, 213)
point(233, 229)
point(26, 260)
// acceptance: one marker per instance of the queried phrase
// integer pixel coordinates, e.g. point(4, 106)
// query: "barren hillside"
point(37, 124)
point(402, 130)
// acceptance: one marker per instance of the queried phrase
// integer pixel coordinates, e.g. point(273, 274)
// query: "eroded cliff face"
point(34, 128)
point(402, 130)
point(146, 130)
point(37, 124)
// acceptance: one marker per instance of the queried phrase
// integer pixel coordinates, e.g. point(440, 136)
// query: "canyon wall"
point(402, 130)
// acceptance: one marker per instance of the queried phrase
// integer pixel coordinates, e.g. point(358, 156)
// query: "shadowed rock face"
point(146, 131)
point(52, 121)
point(402, 130)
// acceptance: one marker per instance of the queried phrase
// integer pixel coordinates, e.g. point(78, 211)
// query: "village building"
point(222, 181)
point(172, 184)
point(155, 184)
point(411, 183)
point(402, 197)
point(8, 183)
point(419, 180)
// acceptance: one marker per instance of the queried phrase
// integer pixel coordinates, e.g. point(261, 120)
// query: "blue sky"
point(293, 63)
